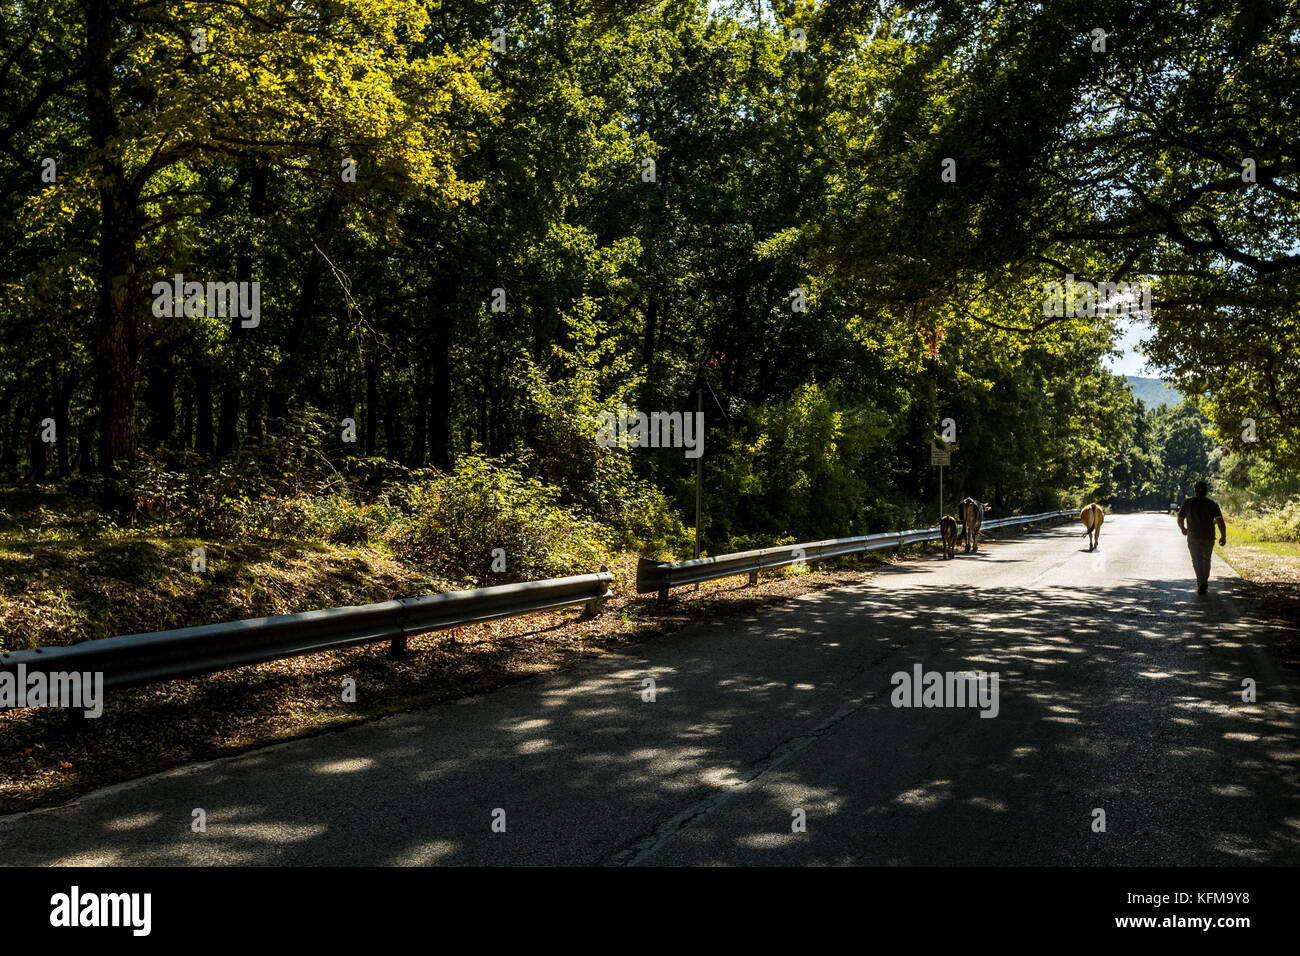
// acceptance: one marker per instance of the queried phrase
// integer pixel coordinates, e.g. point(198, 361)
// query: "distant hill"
point(1153, 391)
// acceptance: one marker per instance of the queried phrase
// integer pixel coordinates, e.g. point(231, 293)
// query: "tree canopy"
point(474, 226)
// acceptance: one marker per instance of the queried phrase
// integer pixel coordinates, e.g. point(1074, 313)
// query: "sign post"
point(941, 457)
point(699, 481)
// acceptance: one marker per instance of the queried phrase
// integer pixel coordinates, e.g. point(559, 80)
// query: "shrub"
point(1280, 523)
point(340, 520)
point(283, 486)
point(455, 521)
point(591, 479)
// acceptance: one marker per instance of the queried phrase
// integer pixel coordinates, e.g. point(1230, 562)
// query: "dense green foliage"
point(564, 206)
point(452, 517)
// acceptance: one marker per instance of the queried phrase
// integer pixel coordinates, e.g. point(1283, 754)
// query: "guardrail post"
point(593, 607)
point(663, 595)
point(397, 648)
point(753, 577)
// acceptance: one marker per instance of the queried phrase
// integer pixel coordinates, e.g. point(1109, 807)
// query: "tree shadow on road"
point(1126, 699)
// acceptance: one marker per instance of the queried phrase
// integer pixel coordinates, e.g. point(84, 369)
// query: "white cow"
point(1092, 516)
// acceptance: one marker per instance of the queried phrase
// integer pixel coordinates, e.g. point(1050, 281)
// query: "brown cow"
point(971, 513)
point(948, 531)
point(1092, 516)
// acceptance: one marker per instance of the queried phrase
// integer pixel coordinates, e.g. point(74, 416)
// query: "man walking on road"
point(1201, 514)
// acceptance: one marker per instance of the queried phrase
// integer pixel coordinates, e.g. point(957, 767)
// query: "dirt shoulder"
point(1272, 573)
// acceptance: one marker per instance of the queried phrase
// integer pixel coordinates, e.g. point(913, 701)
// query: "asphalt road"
point(1119, 690)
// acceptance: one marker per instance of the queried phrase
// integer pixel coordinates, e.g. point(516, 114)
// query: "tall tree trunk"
point(4, 435)
point(372, 409)
point(440, 400)
point(232, 385)
point(185, 440)
point(17, 431)
point(393, 437)
point(228, 414)
point(160, 397)
point(292, 367)
point(253, 414)
point(38, 452)
point(418, 454)
point(9, 444)
point(62, 420)
point(115, 308)
point(490, 422)
point(204, 442)
point(86, 445)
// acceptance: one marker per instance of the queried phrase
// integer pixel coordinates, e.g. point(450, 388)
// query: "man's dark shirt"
point(1199, 513)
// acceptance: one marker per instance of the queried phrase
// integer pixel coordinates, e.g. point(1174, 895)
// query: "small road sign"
point(939, 457)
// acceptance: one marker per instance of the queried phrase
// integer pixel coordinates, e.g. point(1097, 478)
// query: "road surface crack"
point(642, 849)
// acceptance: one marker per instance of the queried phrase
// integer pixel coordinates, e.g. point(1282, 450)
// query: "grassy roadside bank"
point(1259, 561)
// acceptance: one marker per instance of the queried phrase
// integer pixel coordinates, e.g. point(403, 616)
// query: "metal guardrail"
point(660, 576)
point(137, 659)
